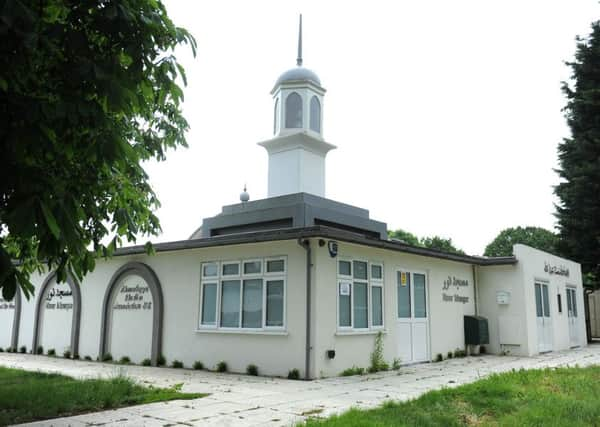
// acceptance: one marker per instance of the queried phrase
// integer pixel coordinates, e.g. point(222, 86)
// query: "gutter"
point(305, 243)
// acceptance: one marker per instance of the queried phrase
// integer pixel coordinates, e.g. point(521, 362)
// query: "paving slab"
point(245, 401)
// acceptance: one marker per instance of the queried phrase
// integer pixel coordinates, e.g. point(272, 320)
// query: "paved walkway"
point(239, 400)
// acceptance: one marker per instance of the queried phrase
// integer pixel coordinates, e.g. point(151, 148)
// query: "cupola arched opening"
point(293, 111)
point(276, 118)
point(315, 114)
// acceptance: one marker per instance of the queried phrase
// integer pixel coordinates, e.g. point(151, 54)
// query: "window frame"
point(241, 277)
point(371, 283)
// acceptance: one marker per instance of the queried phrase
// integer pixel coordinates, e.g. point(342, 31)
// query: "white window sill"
point(359, 332)
point(241, 332)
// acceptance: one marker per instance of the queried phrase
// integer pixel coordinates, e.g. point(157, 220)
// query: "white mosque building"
point(299, 281)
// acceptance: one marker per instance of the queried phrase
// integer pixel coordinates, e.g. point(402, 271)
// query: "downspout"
point(306, 245)
point(475, 271)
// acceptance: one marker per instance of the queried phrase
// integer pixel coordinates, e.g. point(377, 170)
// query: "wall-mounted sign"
point(559, 270)
point(344, 289)
point(502, 297)
point(133, 295)
point(403, 278)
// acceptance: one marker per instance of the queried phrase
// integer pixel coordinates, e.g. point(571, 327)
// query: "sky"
point(446, 115)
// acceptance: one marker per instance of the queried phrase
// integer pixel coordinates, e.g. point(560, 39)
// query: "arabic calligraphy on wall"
point(59, 299)
point(454, 282)
point(558, 270)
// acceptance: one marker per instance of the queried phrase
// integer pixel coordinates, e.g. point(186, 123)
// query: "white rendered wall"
point(130, 328)
point(445, 317)
point(179, 275)
point(296, 171)
point(56, 318)
point(533, 262)
point(506, 322)
point(7, 312)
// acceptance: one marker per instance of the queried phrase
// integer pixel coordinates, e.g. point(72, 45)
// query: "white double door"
point(572, 316)
point(544, 321)
point(412, 319)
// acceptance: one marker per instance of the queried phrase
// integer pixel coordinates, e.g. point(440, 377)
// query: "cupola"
point(297, 150)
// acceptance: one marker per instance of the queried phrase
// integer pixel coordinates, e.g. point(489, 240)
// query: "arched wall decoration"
point(146, 273)
point(14, 342)
point(76, 312)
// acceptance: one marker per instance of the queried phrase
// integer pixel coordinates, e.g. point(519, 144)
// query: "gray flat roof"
point(314, 232)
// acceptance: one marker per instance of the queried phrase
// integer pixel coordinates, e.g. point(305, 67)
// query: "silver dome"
point(298, 74)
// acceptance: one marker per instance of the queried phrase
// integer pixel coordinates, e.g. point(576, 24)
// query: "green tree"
point(578, 210)
point(440, 244)
point(434, 242)
point(536, 237)
point(88, 91)
point(405, 236)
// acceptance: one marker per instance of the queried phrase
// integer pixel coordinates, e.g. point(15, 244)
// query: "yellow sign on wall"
point(403, 278)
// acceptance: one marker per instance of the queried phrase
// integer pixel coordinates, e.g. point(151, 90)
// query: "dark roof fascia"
point(311, 232)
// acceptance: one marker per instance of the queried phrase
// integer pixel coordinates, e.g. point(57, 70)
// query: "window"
point(360, 295)
point(293, 111)
point(559, 302)
point(241, 295)
point(315, 114)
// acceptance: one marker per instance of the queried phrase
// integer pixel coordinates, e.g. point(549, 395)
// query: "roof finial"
point(299, 59)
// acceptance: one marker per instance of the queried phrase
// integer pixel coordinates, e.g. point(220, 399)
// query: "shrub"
point(107, 357)
point(125, 360)
point(459, 353)
point(222, 366)
point(39, 350)
point(23, 349)
point(294, 374)
point(252, 369)
point(146, 362)
point(1, 350)
point(450, 355)
point(377, 361)
point(354, 370)
point(439, 357)
point(89, 358)
point(198, 365)
point(161, 361)
point(75, 357)
point(177, 364)
point(396, 364)
point(51, 352)
point(67, 354)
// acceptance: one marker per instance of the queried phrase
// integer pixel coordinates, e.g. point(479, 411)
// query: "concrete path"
point(239, 400)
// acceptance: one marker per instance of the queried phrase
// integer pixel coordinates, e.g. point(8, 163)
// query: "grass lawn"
point(28, 396)
point(561, 397)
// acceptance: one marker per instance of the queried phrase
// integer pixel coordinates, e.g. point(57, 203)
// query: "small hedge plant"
point(107, 357)
point(23, 349)
point(252, 369)
point(439, 357)
point(354, 370)
point(146, 362)
point(222, 366)
point(177, 364)
point(198, 365)
point(88, 358)
point(51, 352)
point(67, 354)
point(39, 350)
point(396, 363)
point(161, 361)
point(125, 360)
point(293, 374)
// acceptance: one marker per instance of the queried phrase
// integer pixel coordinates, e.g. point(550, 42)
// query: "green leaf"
point(50, 220)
